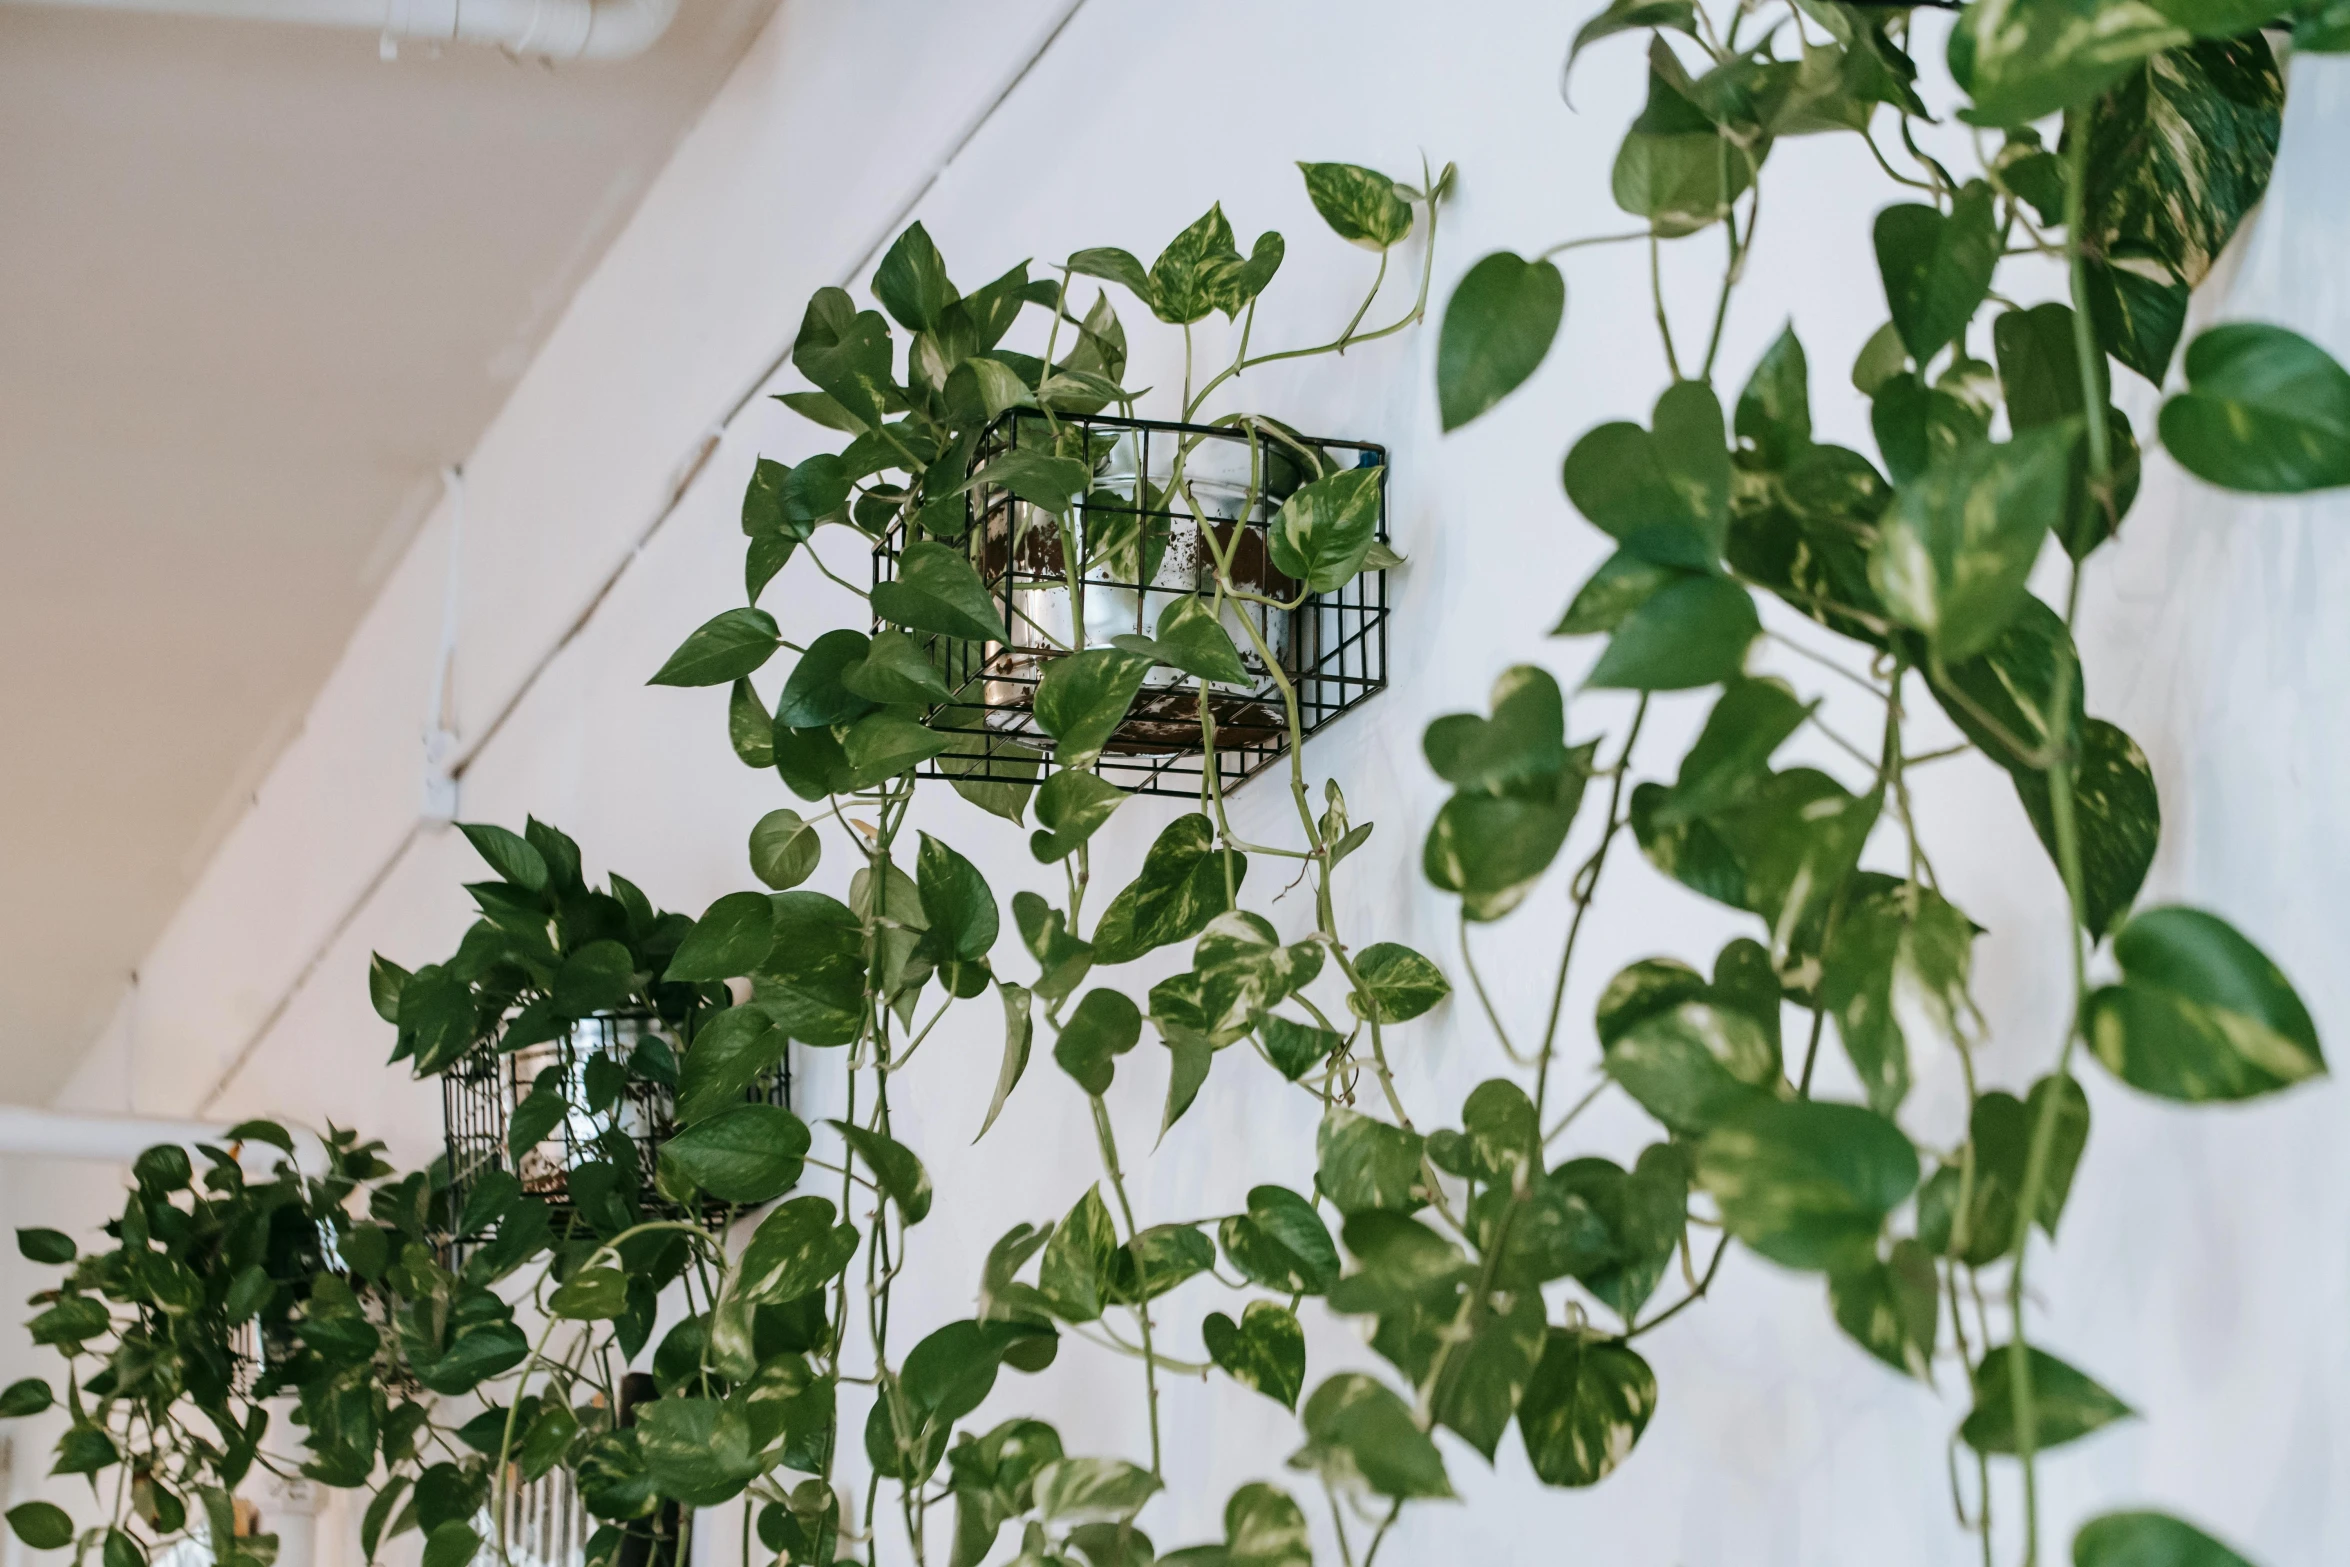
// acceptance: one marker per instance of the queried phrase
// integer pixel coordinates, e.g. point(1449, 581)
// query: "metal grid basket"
point(480, 1093)
point(1142, 541)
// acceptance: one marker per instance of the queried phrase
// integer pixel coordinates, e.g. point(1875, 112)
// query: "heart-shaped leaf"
point(1498, 326)
point(1192, 639)
point(2200, 1013)
point(1323, 532)
point(936, 590)
point(1937, 268)
point(1264, 1351)
point(1083, 698)
point(2265, 410)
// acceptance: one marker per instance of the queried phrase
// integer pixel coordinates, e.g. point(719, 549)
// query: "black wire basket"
point(1143, 542)
point(480, 1093)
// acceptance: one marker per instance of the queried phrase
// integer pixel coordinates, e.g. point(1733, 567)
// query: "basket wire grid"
point(1141, 547)
point(479, 1096)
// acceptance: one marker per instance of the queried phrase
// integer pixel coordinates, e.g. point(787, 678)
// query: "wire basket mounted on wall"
point(619, 1107)
point(1142, 542)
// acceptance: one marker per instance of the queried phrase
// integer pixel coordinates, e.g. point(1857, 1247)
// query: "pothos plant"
point(1504, 1279)
point(2117, 148)
point(224, 1292)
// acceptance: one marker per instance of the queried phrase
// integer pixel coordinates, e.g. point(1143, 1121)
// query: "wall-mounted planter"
point(614, 1071)
point(1161, 497)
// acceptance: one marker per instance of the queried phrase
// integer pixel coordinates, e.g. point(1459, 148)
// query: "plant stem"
point(1142, 1309)
point(2068, 852)
point(1584, 888)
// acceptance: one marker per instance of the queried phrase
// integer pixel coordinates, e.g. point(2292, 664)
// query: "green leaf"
point(508, 853)
point(1360, 205)
point(1748, 723)
point(1621, 585)
point(42, 1525)
point(936, 590)
point(895, 671)
point(1395, 984)
point(1117, 265)
point(1663, 493)
point(733, 937)
point(28, 1396)
point(1675, 167)
point(2200, 1013)
point(2066, 1404)
point(385, 981)
point(1359, 1435)
point(2181, 148)
point(1182, 887)
point(1156, 1261)
point(814, 694)
point(2116, 813)
point(1694, 1065)
point(911, 282)
point(53, 1248)
point(846, 352)
point(880, 746)
point(1584, 1408)
point(1626, 15)
point(1077, 1489)
point(2148, 1540)
point(597, 978)
point(1074, 1277)
point(1105, 1026)
point(1361, 1163)
point(749, 1153)
point(2040, 372)
point(895, 1169)
point(730, 1052)
point(1518, 791)
point(723, 649)
point(796, 1248)
point(1891, 1308)
point(1774, 412)
point(1323, 532)
point(784, 849)
point(1887, 946)
point(1690, 634)
point(1039, 478)
point(1281, 1244)
point(750, 728)
point(1937, 268)
point(1071, 807)
point(1807, 1183)
point(2138, 318)
point(1295, 1048)
point(1485, 1376)
point(698, 1449)
point(1644, 1215)
point(1083, 698)
point(2265, 410)
point(1192, 639)
point(958, 903)
point(1499, 324)
point(1019, 1033)
point(590, 1295)
point(2022, 60)
point(1263, 1527)
point(1955, 550)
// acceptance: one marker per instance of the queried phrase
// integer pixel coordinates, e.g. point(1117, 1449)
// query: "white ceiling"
point(257, 286)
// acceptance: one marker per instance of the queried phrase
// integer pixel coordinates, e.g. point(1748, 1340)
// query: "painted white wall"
point(2203, 1267)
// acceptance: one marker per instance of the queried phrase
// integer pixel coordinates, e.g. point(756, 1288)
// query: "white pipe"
point(115, 1139)
point(547, 29)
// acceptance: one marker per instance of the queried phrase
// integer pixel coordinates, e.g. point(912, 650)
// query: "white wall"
point(2203, 1266)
